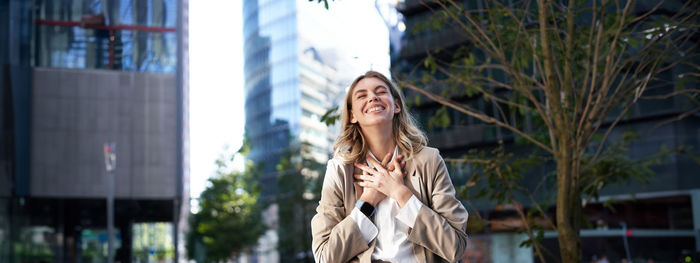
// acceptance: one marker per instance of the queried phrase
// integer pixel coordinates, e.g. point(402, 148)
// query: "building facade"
point(80, 80)
point(288, 87)
point(656, 220)
point(292, 78)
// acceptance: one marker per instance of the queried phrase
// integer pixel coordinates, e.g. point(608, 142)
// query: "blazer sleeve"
point(336, 237)
point(442, 227)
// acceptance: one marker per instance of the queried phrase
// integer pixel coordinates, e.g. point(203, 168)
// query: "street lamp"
point(110, 153)
point(624, 239)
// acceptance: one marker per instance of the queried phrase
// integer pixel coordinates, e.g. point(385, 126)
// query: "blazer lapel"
point(350, 196)
point(413, 180)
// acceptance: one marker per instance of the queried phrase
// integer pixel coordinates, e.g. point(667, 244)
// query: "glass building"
point(77, 75)
point(287, 85)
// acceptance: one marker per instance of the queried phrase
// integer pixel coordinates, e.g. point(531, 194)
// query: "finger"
point(398, 158)
point(399, 167)
point(377, 165)
point(357, 177)
point(367, 178)
point(386, 159)
point(366, 185)
point(366, 168)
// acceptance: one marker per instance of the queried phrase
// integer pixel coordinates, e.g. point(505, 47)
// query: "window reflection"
point(120, 34)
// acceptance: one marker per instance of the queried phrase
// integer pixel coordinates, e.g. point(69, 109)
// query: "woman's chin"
point(376, 122)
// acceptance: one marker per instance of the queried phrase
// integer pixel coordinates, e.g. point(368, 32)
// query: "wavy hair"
point(351, 146)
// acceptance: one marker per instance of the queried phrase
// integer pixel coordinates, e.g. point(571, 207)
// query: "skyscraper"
point(81, 80)
point(288, 85)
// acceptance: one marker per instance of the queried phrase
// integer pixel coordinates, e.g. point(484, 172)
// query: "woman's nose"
point(373, 97)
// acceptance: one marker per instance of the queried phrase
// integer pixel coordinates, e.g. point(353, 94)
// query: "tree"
point(230, 216)
point(560, 76)
point(299, 183)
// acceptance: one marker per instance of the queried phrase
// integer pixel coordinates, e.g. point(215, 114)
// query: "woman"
point(393, 210)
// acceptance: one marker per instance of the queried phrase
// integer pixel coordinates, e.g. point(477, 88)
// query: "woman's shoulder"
point(337, 169)
point(427, 154)
point(336, 162)
point(426, 157)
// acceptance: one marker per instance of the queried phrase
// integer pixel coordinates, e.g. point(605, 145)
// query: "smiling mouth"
point(375, 109)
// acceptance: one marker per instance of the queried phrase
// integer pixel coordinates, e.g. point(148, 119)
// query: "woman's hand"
point(373, 196)
point(386, 181)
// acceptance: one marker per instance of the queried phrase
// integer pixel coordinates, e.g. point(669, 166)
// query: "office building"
point(82, 80)
point(659, 219)
point(288, 86)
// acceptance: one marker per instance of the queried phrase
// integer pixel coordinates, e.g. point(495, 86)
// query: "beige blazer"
point(438, 234)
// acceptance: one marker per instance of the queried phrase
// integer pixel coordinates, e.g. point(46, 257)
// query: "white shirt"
point(390, 227)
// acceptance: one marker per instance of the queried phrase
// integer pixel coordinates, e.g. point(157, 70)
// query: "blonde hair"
point(350, 146)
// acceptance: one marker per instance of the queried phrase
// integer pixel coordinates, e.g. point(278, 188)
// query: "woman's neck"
point(380, 140)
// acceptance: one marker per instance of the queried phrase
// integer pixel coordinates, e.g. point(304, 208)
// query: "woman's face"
point(372, 103)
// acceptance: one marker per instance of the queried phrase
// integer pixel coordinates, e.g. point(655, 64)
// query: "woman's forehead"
point(369, 83)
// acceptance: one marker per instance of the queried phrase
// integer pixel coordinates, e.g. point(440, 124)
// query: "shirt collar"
point(396, 151)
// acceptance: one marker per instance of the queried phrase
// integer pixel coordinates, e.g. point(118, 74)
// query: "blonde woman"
point(400, 209)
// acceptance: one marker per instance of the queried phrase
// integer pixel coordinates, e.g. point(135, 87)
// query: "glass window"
point(124, 35)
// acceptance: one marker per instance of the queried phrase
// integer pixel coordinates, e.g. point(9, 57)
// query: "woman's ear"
point(352, 118)
point(397, 107)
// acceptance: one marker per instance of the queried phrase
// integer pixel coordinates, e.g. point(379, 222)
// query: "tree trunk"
point(568, 206)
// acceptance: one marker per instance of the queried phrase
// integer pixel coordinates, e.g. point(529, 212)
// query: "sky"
point(216, 81)
point(216, 69)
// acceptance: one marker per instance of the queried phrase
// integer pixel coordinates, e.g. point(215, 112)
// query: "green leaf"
point(331, 116)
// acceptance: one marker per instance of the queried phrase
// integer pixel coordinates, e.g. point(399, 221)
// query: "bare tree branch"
point(476, 114)
point(679, 117)
point(673, 94)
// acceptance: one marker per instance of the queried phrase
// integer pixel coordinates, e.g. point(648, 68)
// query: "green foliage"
point(331, 116)
point(325, 2)
point(499, 169)
point(441, 119)
point(230, 216)
point(615, 167)
point(299, 182)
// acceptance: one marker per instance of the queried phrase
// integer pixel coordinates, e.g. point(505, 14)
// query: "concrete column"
point(695, 205)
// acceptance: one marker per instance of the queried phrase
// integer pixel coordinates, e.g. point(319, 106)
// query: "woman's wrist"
point(372, 199)
point(402, 195)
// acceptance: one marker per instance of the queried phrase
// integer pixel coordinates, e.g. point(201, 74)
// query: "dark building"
point(75, 75)
point(659, 219)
